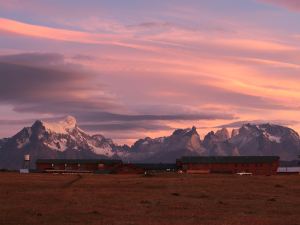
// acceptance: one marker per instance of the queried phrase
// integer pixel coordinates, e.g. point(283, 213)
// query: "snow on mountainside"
point(267, 139)
point(264, 139)
point(64, 139)
point(66, 135)
point(168, 149)
point(61, 127)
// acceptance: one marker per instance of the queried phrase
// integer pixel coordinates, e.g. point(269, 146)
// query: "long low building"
point(288, 170)
point(99, 166)
point(257, 165)
point(139, 168)
point(78, 165)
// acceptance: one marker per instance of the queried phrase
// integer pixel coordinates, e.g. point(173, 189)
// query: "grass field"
point(37, 199)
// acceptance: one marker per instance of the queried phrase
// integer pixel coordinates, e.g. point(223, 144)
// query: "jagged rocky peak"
point(267, 139)
point(278, 130)
point(209, 135)
point(194, 129)
point(234, 132)
point(267, 130)
point(247, 126)
point(62, 126)
point(220, 135)
point(98, 137)
point(64, 139)
point(223, 134)
point(186, 132)
point(249, 129)
point(70, 120)
point(38, 124)
point(277, 133)
point(148, 141)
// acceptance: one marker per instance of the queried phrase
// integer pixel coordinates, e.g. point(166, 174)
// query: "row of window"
point(99, 165)
point(247, 165)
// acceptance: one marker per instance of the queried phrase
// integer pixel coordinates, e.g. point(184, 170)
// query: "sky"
point(135, 68)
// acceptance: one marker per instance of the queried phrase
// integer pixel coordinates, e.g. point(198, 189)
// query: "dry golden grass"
point(37, 199)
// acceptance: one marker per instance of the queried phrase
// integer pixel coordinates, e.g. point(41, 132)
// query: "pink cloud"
point(12, 26)
point(188, 67)
point(290, 4)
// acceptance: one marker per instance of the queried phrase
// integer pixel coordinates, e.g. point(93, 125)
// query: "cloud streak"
point(55, 87)
point(238, 124)
point(19, 28)
point(162, 65)
point(50, 87)
point(293, 5)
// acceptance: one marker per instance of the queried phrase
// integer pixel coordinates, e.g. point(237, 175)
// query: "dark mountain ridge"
point(66, 140)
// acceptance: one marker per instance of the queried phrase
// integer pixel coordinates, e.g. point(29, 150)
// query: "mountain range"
point(64, 139)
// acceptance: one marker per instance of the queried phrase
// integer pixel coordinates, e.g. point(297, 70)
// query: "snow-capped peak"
point(61, 127)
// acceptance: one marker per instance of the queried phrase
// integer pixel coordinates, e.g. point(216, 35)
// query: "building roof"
point(80, 161)
point(228, 159)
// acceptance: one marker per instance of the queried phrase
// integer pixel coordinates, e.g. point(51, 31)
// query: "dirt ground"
point(37, 199)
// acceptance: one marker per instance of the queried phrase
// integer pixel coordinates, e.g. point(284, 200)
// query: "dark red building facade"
point(78, 165)
point(257, 165)
point(99, 166)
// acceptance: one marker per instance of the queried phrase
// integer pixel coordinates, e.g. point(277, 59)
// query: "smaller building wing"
point(227, 159)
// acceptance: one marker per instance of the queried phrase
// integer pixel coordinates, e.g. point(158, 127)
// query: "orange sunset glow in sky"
point(135, 68)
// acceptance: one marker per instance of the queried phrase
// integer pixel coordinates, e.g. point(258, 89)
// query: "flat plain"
point(38, 199)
